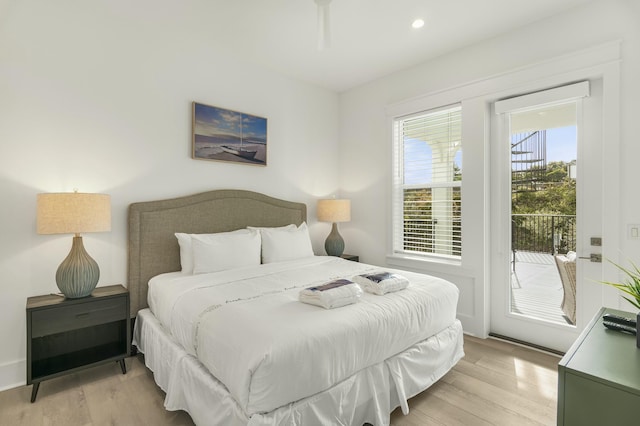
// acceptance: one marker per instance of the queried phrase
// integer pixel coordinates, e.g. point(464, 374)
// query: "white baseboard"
point(13, 374)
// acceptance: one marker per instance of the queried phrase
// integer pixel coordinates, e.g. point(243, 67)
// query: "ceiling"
point(370, 38)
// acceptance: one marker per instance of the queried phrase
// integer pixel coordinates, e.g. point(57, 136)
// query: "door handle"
point(593, 257)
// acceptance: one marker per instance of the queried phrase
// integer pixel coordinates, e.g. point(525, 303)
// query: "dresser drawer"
point(71, 317)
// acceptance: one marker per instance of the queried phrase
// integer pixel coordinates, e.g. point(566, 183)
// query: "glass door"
point(546, 203)
point(543, 146)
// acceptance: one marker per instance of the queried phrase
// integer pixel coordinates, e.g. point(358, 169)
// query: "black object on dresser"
point(68, 335)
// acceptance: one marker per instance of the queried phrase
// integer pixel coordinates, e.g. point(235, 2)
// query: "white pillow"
point(260, 228)
point(186, 252)
point(225, 250)
point(285, 244)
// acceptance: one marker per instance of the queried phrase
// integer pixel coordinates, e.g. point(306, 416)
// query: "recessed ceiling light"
point(418, 23)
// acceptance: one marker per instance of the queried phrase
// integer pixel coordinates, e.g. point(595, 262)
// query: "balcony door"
point(546, 207)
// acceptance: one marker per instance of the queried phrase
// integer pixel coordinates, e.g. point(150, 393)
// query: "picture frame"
point(220, 134)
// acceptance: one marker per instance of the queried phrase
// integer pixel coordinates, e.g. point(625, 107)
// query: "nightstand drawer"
point(71, 317)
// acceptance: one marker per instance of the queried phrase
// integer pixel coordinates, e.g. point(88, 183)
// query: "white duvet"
point(249, 329)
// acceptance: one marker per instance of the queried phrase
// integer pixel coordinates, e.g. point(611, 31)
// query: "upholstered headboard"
point(153, 247)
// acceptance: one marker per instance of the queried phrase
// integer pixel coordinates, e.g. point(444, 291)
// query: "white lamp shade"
point(73, 213)
point(334, 210)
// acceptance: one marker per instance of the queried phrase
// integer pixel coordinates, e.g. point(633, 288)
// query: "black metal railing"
point(528, 160)
point(543, 233)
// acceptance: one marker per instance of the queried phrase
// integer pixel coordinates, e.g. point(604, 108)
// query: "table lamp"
point(75, 213)
point(334, 211)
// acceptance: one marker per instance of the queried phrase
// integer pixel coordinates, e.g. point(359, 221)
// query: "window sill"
point(423, 264)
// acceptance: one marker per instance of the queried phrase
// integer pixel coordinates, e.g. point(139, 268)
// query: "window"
point(427, 182)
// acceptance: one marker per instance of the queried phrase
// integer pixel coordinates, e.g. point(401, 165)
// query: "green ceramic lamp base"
point(78, 273)
point(334, 244)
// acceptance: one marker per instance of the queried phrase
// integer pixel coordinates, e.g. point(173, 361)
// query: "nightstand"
point(351, 257)
point(68, 335)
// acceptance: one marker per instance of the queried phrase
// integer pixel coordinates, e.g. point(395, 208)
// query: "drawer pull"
point(83, 315)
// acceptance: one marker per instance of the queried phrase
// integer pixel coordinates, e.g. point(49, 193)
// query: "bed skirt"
point(368, 396)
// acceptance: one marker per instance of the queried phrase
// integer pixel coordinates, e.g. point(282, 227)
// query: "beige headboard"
point(153, 247)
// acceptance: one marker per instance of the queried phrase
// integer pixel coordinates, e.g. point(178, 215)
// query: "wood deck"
point(536, 289)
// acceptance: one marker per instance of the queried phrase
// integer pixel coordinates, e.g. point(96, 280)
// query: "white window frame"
point(445, 249)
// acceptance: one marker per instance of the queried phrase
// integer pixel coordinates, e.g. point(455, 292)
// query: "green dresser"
point(599, 377)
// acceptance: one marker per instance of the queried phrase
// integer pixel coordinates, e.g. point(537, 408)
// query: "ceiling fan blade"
point(324, 24)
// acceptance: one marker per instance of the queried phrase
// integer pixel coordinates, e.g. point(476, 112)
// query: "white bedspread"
point(248, 328)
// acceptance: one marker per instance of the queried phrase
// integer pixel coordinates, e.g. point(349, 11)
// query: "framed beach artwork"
point(224, 135)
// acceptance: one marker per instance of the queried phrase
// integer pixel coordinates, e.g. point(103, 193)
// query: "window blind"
point(427, 183)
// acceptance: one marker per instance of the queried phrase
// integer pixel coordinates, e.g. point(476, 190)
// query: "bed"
point(234, 346)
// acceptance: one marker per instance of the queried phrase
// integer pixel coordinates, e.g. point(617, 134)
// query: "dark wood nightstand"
point(68, 335)
point(351, 257)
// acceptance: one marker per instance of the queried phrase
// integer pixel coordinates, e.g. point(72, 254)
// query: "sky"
point(212, 121)
point(561, 146)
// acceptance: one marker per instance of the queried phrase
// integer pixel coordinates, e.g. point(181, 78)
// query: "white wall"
point(98, 100)
point(366, 142)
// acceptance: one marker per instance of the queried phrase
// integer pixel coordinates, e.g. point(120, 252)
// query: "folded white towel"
point(381, 282)
point(332, 294)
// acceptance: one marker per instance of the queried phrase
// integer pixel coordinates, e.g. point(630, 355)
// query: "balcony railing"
point(543, 233)
point(419, 235)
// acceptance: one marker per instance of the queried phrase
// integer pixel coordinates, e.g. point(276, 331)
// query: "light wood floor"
point(496, 383)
